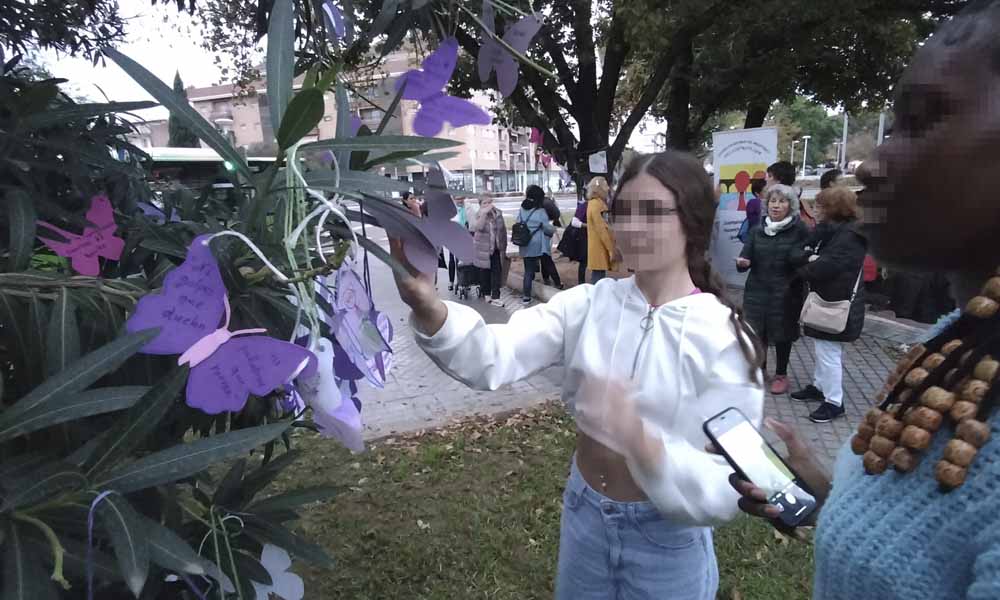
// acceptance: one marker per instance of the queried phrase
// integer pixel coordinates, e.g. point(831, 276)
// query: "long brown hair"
point(686, 178)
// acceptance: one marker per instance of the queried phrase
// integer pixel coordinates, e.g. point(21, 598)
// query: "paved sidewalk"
point(418, 394)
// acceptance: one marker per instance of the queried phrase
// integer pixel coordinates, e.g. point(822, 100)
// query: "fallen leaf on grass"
point(423, 525)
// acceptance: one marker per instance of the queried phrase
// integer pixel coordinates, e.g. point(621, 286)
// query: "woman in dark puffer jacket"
point(831, 264)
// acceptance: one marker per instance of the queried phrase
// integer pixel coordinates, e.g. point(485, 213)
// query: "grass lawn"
point(472, 511)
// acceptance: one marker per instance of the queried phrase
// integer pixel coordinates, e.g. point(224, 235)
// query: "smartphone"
point(756, 461)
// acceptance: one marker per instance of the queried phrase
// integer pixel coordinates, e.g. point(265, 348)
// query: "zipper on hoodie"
point(647, 325)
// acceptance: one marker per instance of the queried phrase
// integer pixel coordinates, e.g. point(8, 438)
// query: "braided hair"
point(952, 377)
point(686, 178)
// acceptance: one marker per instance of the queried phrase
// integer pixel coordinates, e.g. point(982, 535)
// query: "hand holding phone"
point(770, 487)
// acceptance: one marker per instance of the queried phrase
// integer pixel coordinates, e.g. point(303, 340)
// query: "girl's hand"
point(417, 290)
point(606, 411)
point(743, 263)
point(753, 500)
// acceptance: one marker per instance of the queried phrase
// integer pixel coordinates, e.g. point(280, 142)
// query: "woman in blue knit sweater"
point(913, 508)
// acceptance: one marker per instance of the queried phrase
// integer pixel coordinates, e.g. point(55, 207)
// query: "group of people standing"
point(911, 510)
point(793, 250)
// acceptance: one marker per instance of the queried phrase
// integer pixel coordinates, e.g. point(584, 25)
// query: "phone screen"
point(764, 468)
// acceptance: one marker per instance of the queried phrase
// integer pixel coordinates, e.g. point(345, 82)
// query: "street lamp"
point(791, 152)
point(837, 146)
point(805, 149)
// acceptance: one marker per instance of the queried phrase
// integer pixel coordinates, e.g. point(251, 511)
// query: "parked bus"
point(196, 168)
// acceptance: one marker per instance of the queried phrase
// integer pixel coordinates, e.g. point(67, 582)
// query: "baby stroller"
point(468, 277)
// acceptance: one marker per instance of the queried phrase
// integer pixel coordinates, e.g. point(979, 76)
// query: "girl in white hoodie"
point(647, 359)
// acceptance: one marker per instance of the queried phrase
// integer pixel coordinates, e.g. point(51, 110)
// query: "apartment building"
point(491, 158)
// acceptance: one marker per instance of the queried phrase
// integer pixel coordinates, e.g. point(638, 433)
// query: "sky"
point(162, 47)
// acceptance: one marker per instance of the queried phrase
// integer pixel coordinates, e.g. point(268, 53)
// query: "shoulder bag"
point(826, 316)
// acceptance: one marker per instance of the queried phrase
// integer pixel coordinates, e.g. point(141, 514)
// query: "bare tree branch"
point(615, 52)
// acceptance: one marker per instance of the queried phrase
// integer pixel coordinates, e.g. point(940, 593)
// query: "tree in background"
point(180, 135)
point(768, 52)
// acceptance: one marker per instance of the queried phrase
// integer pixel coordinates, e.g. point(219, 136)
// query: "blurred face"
point(646, 225)
point(460, 201)
point(769, 180)
point(819, 212)
point(778, 207)
point(930, 199)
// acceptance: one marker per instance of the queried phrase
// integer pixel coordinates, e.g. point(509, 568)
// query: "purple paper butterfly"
point(325, 392)
point(334, 21)
point(424, 237)
point(363, 332)
point(436, 107)
point(224, 369)
point(156, 214)
point(344, 422)
point(494, 57)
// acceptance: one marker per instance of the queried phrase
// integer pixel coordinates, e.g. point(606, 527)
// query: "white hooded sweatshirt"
point(686, 368)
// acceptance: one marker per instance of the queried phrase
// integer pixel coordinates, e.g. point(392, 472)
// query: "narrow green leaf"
point(229, 487)
point(280, 58)
point(75, 558)
point(384, 18)
point(181, 109)
point(185, 460)
point(356, 182)
point(23, 578)
point(396, 33)
point(293, 499)
point(72, 112)
point(43, 484)
point(383, 143)
point(265, 474)
point(63, 339)
point(390, 112)
point(22, 229)
point(343, 123)
point(303, 114)
point(80, 374)
point(142, 419)
point(74, 406)
point(129, 539)
point(392, 157)
point(171, 552)
point(250, 567)
point(38, 316)
point(265, 531)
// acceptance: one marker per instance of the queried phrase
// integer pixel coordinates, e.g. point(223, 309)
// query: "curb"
point(540, 291)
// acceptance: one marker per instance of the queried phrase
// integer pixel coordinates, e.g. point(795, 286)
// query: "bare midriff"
point(606, 471)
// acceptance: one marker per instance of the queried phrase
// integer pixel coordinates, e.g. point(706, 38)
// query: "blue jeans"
point(597, 275)
point(612, 550)
point(531, 266)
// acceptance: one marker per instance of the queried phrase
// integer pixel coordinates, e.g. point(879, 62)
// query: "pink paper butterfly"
point(224, 369)
point(436, 107)
point(84, 249)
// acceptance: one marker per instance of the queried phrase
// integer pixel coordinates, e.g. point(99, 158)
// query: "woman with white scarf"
point(772, 298)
